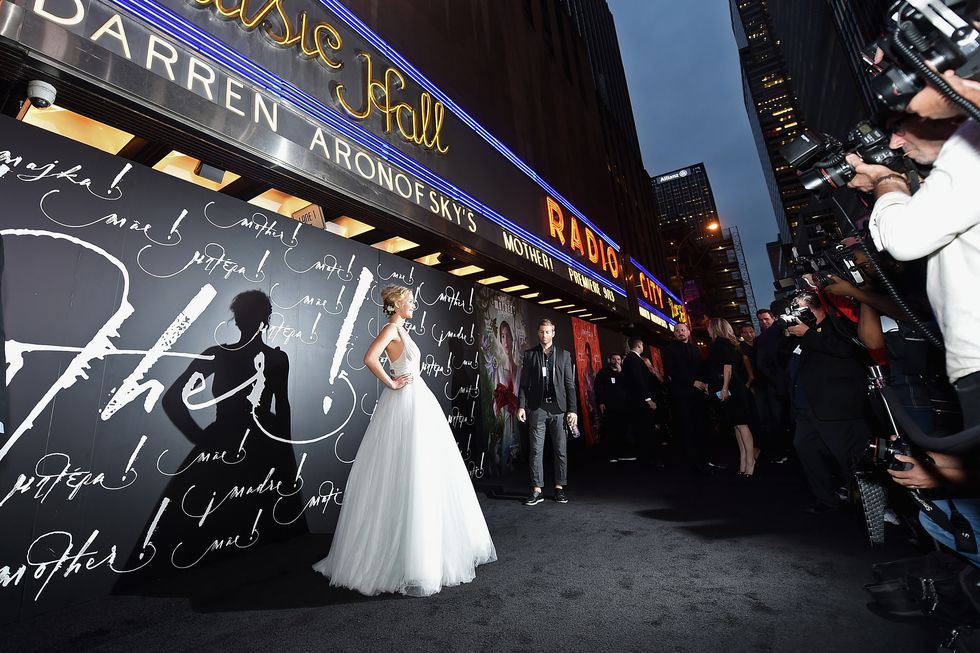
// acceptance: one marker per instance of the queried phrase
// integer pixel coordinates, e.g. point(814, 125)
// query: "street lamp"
point(712, 226)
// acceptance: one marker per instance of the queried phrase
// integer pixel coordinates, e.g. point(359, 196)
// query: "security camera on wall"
point(41, 94)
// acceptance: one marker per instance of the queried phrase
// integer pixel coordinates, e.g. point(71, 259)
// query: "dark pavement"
point(641, 559)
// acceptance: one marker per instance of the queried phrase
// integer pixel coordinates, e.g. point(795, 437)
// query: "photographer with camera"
point(941, 222)
point(944, 472)
point(915, 381)
point(827, 389)
point(898, 87)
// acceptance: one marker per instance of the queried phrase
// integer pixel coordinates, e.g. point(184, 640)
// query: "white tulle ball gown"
point(410, 520)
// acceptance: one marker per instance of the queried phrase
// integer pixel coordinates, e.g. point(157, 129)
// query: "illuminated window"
point(182, 166)
point(279, 202)
point(395, 245)
point(431, 259)
point(78, 128)
point(348, 227)
point(489, 281)
point(465, 270)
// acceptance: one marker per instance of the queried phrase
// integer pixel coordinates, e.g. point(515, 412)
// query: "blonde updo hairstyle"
point(721, 328)
point(391, 295)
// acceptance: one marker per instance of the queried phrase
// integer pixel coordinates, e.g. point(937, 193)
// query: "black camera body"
point(820, 158)
point(936, 34)
point(882, 451)
point(796, 314)
point(823, 256)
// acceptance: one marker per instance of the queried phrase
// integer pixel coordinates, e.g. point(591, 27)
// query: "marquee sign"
point(657, 303)
point(308, 86)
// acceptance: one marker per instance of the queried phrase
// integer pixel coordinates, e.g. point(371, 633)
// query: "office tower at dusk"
point(706, 264)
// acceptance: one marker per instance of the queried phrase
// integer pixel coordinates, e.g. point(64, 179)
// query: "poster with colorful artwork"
point(588, 361)
point(503, 336)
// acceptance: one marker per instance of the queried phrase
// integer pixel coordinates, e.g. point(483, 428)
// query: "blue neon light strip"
point(369, 35)
point(670, 321)
point(189, 34)
point(655, 280)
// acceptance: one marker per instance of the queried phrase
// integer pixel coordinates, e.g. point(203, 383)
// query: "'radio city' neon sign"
point(582, 239)
point(656, 295)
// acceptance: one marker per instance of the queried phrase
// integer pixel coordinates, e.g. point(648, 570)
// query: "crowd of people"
point(879, 343)
point(800, 387)
point(657, 414)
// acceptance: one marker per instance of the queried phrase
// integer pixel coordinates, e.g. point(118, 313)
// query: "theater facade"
point(161, 160)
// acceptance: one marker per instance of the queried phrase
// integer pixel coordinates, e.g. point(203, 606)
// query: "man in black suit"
point(828, 388)
point(546, 398)
point(640, 405)
point(610, 395)
point(688, 400)
point(771, 386)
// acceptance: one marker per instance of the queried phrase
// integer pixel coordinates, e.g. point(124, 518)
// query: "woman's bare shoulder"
point(391, 333)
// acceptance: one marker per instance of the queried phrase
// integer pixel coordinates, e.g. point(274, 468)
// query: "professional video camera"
point(921, 32)
point(819, 158)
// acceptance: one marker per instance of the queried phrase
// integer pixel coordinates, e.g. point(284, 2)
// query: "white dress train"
point(410, 520)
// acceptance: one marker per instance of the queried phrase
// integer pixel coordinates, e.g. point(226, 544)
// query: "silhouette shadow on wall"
point(238, 488)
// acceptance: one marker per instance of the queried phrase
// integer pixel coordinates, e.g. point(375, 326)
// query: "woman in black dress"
point(725, 380)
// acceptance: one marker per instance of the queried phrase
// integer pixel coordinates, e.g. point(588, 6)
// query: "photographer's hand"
point(838, 286)
point(798, 329)
point(922, 476)
point(868, 177)
point(930, 103)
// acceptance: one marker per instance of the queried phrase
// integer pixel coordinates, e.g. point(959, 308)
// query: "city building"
point(724, 283)
point(802, 69)
point(772, 101)
point(821, 43)
point(708, 268)
point(634, 198)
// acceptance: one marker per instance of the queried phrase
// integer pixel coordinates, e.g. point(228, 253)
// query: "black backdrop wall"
point(148, 433)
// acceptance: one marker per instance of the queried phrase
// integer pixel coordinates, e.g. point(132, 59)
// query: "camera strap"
point(955, 524)
point(915, 180)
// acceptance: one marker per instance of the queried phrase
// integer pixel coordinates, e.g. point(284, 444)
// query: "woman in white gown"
point(410, 520)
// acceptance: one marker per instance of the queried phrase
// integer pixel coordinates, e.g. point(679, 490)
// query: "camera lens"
point(894, 87)
point(824, 180)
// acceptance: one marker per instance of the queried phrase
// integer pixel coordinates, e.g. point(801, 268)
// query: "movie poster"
point(503, 336)
point(657, 360)
point(588, 362)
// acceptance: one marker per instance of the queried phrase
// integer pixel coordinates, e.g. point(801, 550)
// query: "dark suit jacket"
point(682, 362)
point(610, 389)
point(640, 384)
point(771, 356)
point(530, 392)
point(832, 373)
